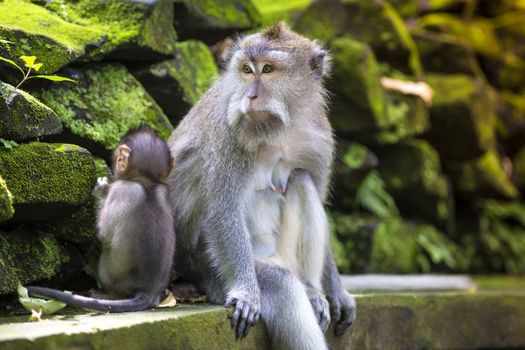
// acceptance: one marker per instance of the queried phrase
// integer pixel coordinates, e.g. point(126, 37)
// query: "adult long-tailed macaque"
point(135, 227)
point(253, 158)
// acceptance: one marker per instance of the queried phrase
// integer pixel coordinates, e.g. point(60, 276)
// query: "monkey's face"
point(271, 76)
point(257, 98)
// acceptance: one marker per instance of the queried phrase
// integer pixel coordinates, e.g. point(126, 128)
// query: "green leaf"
point(28, 60)
point(9, 144)
point(52, 77)
point(13, 63)
point(48, 306)
point(37, 66)
point(6, 42)
point(372, 196)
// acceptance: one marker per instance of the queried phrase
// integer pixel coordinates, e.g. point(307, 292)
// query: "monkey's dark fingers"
point(335, 310)
point(253, 316)
point(324, 320)
point(243, 327)
point(346, 320)
point(321, 310)
point(236, 314)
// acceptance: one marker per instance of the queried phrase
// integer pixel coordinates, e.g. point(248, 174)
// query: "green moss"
point(463, 122)
point(355, 155)
point(412, 174)
point(321, 21)
point(462, 85)
point(482, 177)
point(408, 116)
point(104, 104)
point(394, 249)
point(378, 24)
point(273, 11)
point(24, 117)
point(352, 237)
point(366, 244)
point(6, 201)
point(226, 14)
point(80, 227)
point(478, 33)
point(413, 7)
point(356, 77)
point(501, 242)
point(401, 247)
point(28, 257)
point(194, 69)
point(148, 26)
point(102, 168)
point(48, 173)
point(38, 32)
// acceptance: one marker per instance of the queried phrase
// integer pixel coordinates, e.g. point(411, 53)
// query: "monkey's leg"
point(304, 214)
point(286, 310)
point(342, 305)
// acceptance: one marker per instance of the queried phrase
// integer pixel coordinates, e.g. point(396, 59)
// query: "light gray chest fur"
point(265, 199)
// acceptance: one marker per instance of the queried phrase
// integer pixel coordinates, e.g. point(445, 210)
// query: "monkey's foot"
point(321, 309)
point(246, 311)
point(343, 310)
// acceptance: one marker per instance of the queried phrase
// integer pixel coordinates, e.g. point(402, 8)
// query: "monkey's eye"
point(246, 69)
point(267, 68)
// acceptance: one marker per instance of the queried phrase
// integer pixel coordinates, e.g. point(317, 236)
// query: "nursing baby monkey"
point(135, 227)
point(254, 157)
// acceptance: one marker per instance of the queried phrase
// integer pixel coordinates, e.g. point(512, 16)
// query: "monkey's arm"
point(342, 305)
point(232, 257)
point(101, 189)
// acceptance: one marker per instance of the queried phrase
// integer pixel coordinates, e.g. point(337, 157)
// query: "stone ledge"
point(491, 317)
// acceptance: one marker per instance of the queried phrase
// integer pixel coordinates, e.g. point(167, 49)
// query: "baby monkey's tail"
point(141, 301)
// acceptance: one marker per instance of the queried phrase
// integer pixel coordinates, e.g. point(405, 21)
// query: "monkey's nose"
point(252, 90)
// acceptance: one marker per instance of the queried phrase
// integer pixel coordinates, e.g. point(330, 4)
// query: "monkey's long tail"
point(140, 302)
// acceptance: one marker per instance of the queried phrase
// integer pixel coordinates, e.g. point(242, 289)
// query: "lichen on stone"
point(42, 173)
point(103, 105)
point(36, 31)
point(482, 177)
point(27, 257)
point(146, 25)
point(6, 201)
point(194, 68)
point(24, 117)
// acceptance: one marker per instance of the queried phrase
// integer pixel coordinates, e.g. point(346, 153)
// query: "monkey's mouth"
point(260, 116)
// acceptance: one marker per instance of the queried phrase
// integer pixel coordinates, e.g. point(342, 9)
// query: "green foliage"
point(355, 156)
point(372, 196)
point(30, 62)
point(503, 236)
point(47, 307)
point(436, 249)
point(8, 144)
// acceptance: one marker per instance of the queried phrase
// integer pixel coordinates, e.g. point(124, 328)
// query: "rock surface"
point(177, 84)
point(47, 180)
point(27, 257)
point(442, 320)
point(24, 117)
point(102, 106)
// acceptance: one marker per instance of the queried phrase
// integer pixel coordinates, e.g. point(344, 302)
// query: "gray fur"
point(253, 158)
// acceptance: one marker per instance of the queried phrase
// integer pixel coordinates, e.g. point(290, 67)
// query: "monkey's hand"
point(247, 310)
point(343, 309)
point(320, 306)
point(101, 188)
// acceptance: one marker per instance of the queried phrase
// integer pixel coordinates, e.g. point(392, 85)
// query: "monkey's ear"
point(320, 64)
point(123, 152)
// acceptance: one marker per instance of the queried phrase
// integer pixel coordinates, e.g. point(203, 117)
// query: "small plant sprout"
point(30, 63)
